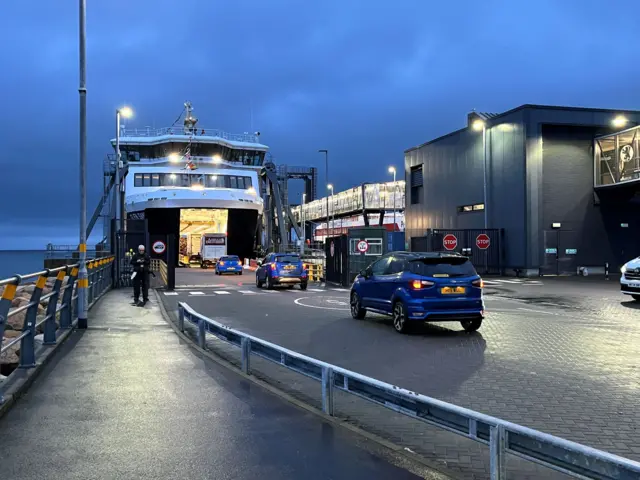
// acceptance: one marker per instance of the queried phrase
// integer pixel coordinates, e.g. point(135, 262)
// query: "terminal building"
point(556, 188)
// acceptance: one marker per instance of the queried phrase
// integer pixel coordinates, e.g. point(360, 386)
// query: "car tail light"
point(478, 283)
point(273, 266)
point(305, 266)
point(420, 284)
point(221, 263)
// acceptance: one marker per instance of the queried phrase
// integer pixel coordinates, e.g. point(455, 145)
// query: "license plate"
point(289, 267)
point(452, 290)
point(634, 285)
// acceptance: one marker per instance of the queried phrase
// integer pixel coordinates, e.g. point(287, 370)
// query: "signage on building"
point(363, 246)
point(571, 251)
point(159, 247)
point(215, 240)
point(450, 241)
point(551, 250)
point(483, 241)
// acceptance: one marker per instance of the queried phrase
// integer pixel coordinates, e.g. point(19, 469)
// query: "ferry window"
point(170, 179)
point(137, 180)
point(146, 179)
point(197, 180)
point(247, 182)
point(185, 181)
point(215, 181)
point(155, 179)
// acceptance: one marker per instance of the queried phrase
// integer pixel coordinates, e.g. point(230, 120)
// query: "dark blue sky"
point(364, 79)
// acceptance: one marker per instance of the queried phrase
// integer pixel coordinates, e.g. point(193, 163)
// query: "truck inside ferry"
point(194, 224)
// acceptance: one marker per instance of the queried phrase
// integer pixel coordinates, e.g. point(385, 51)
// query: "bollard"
point(27, 344)
point(52, 307)
point(606, 271)
point(201, 333)
point(245, 346)
point(66, 313)
point(327, 390)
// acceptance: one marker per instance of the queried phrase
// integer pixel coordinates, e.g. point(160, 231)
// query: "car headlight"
point(623, 269)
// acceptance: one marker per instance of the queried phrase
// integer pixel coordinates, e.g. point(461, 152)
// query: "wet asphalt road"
point(559, 355)
point(126, 399)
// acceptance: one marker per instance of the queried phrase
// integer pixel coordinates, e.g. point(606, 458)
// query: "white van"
point(212, 247)
point(630, 279)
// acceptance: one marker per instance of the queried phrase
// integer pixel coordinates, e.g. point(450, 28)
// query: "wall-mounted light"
point(556, 225)
point(477, 125)
point(619, 121)
point(174, 158)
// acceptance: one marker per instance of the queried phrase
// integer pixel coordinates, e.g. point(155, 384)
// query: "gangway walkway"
point(126, 398)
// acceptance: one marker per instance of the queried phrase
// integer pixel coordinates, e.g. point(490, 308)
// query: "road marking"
point(196, 293)
point(170, 293)
point(315, 290)
point(537, 311)
point(298, 301)
point(340, 289)
point(250, 292)
point(222, 292)
point(270, 291)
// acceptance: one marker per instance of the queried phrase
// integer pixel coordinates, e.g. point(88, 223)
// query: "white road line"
point(299, 299)
point(315, 290)
point(170, 293)
point(339, 289)
point(222, 292)
point(537, 311)
point(196, 293)
point(250, 292)
point(508, 281)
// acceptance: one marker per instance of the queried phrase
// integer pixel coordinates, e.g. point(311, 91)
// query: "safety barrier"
point(501, 436)
point(60, 302)
point(315, 271)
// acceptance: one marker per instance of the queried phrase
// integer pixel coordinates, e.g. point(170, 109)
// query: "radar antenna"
point(189, 120)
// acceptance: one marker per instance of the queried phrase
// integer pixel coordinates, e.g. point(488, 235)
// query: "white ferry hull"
point(189, 198)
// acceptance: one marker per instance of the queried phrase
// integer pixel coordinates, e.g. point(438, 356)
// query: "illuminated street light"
point(126, 112)
point(619, 122)
point(477, 125)
point(174, 158)
point(392, 169)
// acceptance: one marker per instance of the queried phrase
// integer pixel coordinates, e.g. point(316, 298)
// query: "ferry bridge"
point(166, 392)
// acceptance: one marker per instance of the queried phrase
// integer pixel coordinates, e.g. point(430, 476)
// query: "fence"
point(501, 436)
point(60, 302)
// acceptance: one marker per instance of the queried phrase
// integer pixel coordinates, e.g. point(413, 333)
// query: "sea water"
point(14, 262)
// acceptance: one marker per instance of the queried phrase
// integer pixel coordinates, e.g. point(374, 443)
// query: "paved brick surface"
point(563, 360)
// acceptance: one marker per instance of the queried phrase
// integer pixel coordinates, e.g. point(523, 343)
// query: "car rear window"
point(232, 258)
point(287, 258)
point(442, 267)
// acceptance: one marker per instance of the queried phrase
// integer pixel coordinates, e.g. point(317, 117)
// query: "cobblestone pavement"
point(563, 360)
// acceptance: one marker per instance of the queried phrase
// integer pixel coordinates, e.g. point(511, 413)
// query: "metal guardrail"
point(99, 281)
point(178, 130)
point(502, 437)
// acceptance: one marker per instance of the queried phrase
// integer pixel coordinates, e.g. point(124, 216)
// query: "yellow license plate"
point(452, 290)
point(289, 267)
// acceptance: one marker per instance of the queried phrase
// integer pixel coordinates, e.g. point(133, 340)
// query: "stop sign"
point(483, 241)
point(450, 241)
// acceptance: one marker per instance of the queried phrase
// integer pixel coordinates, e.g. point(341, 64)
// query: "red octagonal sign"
point(450, 241)
point(483, 241)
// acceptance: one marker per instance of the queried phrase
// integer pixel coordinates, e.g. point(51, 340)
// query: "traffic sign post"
point(483, 241)
point(363, 246)
point(159, 247)
point(450, 241)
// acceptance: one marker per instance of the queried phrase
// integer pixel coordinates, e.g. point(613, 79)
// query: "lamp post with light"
point(392, 169)
point(125, 112)
point(479, 125)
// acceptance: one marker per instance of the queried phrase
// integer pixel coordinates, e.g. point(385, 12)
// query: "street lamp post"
point(479, 125)
point(82, 90)
point(304, 231)
point(392, 169)
point(330, 187)
point(326, 166)
point(125, 112)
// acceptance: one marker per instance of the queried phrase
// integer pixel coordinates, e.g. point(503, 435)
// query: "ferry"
point(193, 180)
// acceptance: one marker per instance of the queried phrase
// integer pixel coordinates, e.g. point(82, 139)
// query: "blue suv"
point(282, 269)
point(420, 287)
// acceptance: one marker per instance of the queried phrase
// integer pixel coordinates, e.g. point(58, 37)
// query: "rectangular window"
point(155, 179)
point(375, 246)
point(478, 207)
point(353, 247)
point(137, 180)
point(417, 183)
point(185, 181)
point(146, 179)
point(233, 182)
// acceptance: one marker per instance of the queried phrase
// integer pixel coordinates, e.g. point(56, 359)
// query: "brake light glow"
point(420, 284)
point(478, 283)
point(273, 266)
point(305, 266)
point(221, 263)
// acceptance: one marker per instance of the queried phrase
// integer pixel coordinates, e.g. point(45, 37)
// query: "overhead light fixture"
point(619, 121)
point(477, 125)
point(217, 159)
point(174, 157)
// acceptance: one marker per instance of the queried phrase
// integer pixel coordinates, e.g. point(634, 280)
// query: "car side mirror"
point(367, 272)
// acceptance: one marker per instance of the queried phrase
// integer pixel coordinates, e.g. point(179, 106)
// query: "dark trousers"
point(141, 281)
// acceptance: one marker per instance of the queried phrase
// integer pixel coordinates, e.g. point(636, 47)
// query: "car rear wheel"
point(471, 325)
point(258, 282)
point(357, 311)
point(636, 297)
point(400, 318)
point(270, 284)
point(303, 286)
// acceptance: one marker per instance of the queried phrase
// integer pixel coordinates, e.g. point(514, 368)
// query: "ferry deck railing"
point(179, 130)
point(60, 304)
point(500, 436)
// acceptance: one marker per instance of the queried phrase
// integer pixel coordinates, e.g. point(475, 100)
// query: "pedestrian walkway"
point(127, 398)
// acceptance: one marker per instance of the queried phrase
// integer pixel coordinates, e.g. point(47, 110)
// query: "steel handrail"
point(60, 302)
point(574, 459)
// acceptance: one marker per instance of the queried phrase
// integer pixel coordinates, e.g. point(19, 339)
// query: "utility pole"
point(326, 162)
point(82, 90)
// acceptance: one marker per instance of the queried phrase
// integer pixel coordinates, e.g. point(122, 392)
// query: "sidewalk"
point(128, 399)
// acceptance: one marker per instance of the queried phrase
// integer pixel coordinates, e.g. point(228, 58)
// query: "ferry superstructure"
point(192, 180)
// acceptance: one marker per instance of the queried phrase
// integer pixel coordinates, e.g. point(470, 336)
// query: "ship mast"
point(189, 120)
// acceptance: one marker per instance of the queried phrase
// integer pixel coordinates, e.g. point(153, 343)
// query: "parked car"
point(229, 264)
point(195, 260)
point(420, 287)
point(282, 269)
point(630, 279)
